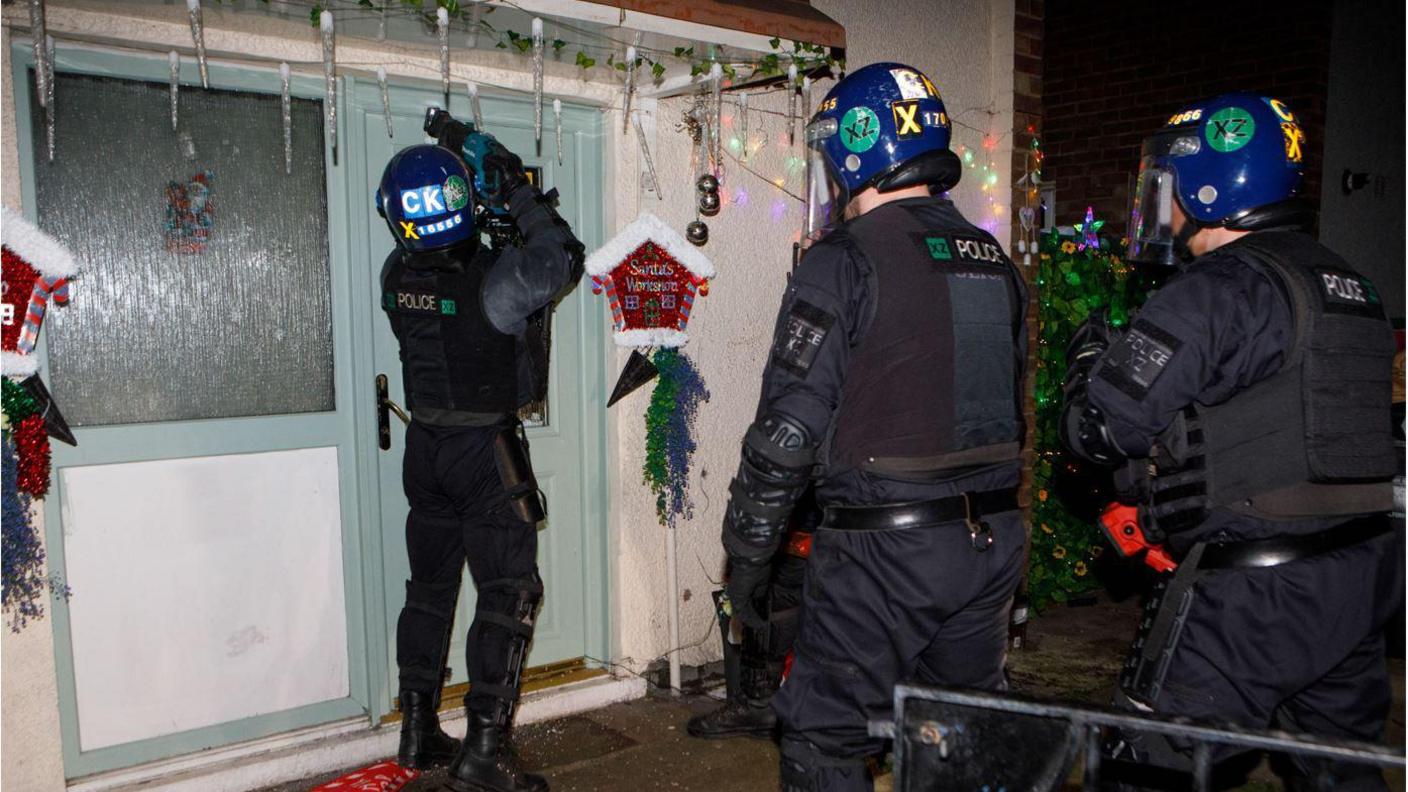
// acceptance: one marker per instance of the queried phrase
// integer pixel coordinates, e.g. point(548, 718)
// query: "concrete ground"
point(1072, 653)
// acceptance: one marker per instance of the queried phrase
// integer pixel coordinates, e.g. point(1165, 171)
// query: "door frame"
point(591, 458)
point(209, 437)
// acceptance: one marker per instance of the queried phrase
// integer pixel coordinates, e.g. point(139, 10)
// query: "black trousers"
point(880, 607)
point(1298, 646)
point(460, 512)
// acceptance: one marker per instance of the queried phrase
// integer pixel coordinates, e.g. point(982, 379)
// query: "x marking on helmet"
point(409, 230)
point(905, 113)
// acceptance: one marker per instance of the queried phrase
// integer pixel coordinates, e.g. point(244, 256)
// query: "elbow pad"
point(778, 455)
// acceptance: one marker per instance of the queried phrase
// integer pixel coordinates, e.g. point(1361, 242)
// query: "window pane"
point(205, 290)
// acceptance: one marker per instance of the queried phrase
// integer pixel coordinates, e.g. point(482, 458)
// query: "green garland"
point(669, 433)
point(1071, 282)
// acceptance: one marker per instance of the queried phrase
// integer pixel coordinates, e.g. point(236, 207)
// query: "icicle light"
point(329, 79)
point(538, 81)
point(442, 31)
point(174, 60)
point(198, 36)
point(286, 105)
point(386, 100)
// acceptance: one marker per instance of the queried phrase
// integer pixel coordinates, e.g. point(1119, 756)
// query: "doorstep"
point(317, 750)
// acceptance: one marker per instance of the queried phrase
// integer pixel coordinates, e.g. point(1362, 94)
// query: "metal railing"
point(949, 739)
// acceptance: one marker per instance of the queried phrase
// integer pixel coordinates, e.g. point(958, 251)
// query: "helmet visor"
point(1151, 214)
point(825, 196)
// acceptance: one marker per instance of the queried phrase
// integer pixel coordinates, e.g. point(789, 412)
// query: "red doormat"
point(381, 777)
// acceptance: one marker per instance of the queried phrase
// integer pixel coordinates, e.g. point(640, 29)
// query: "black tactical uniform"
point(1257, 380)
point(894, 380)
point(469, 362)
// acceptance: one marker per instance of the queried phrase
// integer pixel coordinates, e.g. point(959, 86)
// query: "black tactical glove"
point(746, 582)
point(498, 171)
point(446, 130)
point(1088, 343)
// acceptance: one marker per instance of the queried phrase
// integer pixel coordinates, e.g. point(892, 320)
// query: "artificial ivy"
point(1073, 279)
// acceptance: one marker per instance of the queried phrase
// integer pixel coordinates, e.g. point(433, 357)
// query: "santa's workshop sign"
point(651, 277)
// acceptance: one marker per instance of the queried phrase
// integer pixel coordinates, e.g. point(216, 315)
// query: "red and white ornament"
point(651, 277)
point(36, 269)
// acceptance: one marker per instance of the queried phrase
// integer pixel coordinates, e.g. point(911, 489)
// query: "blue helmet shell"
point(1249, 154)
point(885, 115)
point(427, 198)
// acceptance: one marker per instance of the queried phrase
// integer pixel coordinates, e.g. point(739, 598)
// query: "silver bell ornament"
point(697, 232)
point(707, 183)
point(709, 204)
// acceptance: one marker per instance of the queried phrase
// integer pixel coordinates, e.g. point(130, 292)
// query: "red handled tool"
point(1121, 524)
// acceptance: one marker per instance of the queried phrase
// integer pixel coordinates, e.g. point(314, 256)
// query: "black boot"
point(423, 744)
point(487, 763)
point(748, 714)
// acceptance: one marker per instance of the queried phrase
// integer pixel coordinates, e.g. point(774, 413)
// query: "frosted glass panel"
point(205, 590)
point(205, 291)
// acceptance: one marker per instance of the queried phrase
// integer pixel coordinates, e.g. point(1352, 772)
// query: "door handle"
point(385, 406)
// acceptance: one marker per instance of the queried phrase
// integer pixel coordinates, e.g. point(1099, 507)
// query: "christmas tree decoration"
point(38, 34)
point(1088, 230)
point(669, 434)
point(557, 127)
point(698, 233)
point(190, 214)
point(286, 115)
point(716, 123)
point(650, 276)
point(174, 61)
point(538, 81)
point(37, 268)
point(49, 96)
point(791, 104)
point(649, 163)
point(442, 32)
point(386, 100)
point(198, 36)
point(474, 110)
point(638, 371)
point(630, 89)
point(708, 189)
point(32, 454)
point(329, 79)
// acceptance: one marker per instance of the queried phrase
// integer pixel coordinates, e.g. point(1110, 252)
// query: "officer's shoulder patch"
point(802, 335)
point(1138, 359)
point(978, 249)
point(1345, 292)
point(417, 302)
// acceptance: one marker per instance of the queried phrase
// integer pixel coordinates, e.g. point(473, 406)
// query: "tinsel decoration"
point(286, 108)
point(792, 104)
point(386, 99)
point(669, 433)
point(557, 126)
point(538, 82)
point(21, 552)
point(1068, 493)
point(16, 402)
point(649, 163)
point(32, 450)
point(39, 33)
point(442, 32)
point(198, 35)
point(630, 86)
point(716, 123)
point(329, 79)
point(474, 109)
point(743, 125)
point(49, 95)
point(174, 60)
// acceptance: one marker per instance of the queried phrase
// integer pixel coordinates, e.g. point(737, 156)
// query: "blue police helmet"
point(1244, 165)
point(884, 126)
point(426, 198)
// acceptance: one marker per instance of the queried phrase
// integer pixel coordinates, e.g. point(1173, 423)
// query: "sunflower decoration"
point(1080, 569)
point(1058, 552)
point(1068, 248)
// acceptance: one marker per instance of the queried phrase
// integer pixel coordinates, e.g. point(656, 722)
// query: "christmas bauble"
point(707, 183)
point(697, 232)
point(709, 204)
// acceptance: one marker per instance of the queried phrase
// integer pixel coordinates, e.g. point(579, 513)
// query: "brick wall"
point(1116, 70)
point(1026, 125)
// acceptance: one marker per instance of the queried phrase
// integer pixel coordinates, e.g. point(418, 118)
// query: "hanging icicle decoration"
point(286, 105)
point(649, 163)
point(329, 80)
point(538, 82)
point(49, 94)
point(716, 75)
point(630, 88)
point(442, 31)
point(175, 60)
point(807, 96)
point(476, 19)
point(743, 126)
point(381, 26)
point(386, 100)
point(792, 104)
point(474, 109)
point(198, 34)
point(41, 53)
point(557, 121)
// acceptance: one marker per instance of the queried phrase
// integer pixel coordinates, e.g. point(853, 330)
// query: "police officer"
point(895, 381)
point(1255, 382)
point(460, 312)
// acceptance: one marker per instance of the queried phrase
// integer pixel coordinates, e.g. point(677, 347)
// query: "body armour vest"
point(933, 386)
point(1315, 438)
point(452, 357)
